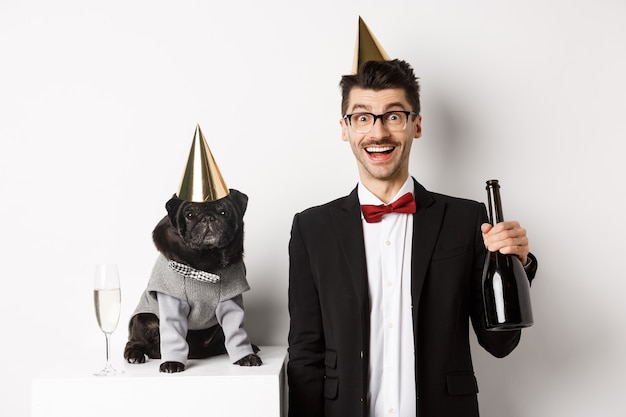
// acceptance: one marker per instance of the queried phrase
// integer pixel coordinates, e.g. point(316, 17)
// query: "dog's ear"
point(172, 207)
point(240, 199)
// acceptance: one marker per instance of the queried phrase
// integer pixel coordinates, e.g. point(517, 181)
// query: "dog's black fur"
point(205, 236)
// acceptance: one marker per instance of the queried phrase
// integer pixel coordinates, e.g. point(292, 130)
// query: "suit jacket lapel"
point(347, 222)
point(426, 225)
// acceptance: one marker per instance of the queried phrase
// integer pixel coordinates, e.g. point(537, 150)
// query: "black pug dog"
point(199, 277)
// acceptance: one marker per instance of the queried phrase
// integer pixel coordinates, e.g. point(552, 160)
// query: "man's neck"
point(385, 190)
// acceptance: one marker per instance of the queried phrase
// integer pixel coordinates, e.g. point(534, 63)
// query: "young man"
point(379, 307)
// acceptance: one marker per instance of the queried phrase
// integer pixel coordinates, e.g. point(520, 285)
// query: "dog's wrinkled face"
point(211, 224)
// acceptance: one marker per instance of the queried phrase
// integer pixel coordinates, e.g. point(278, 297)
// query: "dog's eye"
point(189, 214)
point(224, 213)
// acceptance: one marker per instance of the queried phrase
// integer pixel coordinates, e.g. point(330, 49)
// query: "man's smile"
point(379, 149)
point(379, 153)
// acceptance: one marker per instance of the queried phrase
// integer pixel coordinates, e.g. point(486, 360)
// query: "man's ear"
point(345, 136)
point(417, 125)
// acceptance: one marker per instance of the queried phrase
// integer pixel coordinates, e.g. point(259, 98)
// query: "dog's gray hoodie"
point(183, 304)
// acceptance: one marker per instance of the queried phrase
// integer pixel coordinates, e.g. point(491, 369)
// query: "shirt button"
point(388, 283)
point(390, 325)
point(388, 243)
point(391, 410)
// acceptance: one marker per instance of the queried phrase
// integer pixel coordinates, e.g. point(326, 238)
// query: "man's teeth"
point(375, 149)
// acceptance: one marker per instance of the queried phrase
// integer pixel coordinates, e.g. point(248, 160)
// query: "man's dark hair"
point(381, 75)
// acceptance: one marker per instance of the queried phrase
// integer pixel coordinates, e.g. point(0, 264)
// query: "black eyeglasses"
point(396, 120)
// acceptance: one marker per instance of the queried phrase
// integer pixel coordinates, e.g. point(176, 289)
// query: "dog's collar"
point(193, 273)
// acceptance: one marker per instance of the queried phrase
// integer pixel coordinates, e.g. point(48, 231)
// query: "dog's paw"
point(171, 367)
point(134, 356)
point(250, 360)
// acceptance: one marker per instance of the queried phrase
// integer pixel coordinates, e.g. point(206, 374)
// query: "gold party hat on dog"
point(367, 47)
point(202, 180)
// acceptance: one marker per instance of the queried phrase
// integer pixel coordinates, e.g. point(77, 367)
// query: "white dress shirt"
point(392, 352)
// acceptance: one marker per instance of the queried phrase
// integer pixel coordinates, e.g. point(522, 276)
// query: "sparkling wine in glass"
point(107, 301)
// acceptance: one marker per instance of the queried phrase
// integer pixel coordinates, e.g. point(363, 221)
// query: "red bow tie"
point(374, 214)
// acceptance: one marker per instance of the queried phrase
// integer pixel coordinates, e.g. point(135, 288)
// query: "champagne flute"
point(107, 301)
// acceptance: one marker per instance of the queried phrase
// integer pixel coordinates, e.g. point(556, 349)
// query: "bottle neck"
point(495, 203)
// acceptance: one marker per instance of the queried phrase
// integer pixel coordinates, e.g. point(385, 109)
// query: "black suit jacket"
point(329, 308)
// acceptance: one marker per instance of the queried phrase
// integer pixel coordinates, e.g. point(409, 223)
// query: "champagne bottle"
point(506, 290)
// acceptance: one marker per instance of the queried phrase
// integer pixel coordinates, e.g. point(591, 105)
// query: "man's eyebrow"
point(363, 107)
point(394, 106)
point(388, 107)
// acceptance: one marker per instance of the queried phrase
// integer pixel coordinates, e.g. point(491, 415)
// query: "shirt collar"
point(366, 196)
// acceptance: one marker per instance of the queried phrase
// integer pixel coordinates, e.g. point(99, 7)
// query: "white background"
point(99, 102)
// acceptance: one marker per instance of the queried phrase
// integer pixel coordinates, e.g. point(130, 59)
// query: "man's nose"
point(379, 127)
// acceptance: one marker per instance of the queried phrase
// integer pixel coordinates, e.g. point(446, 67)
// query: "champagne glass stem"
point(108, 350)
point(108, 368)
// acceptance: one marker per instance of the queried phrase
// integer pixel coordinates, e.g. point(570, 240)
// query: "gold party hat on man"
point(367, 47)
point(202, 180)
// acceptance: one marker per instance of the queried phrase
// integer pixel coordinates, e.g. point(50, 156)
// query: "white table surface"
point(212, 387)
